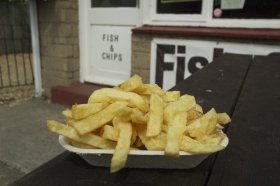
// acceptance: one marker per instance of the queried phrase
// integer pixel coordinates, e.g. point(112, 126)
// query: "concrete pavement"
point(25, 142)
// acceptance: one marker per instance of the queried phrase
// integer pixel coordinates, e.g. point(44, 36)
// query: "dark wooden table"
point(246, 87)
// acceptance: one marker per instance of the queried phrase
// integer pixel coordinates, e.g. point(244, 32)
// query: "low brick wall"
point(12, 96)
point(59, 41)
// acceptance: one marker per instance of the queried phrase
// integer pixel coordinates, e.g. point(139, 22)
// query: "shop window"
point(212, 13)
point(113, 3)
point(247, 9)
point(179, 7)
point(176, 10)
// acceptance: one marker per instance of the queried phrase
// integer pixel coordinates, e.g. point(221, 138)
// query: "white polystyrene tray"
point(139, 158)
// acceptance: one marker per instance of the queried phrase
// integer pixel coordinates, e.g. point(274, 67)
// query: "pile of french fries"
point(142, 116)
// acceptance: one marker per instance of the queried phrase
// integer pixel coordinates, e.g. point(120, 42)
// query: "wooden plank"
point(253, 154)
point(219, 84)
point(224, 77)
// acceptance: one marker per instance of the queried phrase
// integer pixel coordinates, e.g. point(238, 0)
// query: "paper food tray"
point(139, 158)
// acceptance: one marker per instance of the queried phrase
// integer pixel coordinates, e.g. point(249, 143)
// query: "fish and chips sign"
point(174, 60)
point(109, 54)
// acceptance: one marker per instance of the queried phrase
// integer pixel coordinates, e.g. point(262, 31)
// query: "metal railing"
point(15, 56)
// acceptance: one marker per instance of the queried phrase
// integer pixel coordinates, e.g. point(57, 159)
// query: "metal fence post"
point(35, 48)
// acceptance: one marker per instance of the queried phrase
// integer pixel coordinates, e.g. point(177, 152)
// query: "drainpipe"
point(36, 60)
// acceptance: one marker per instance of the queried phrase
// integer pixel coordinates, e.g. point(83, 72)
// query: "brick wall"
point(141, 55)
point(59, 40)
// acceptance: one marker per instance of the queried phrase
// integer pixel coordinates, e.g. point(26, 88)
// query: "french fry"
point(223, 118)
point(137, 116)
point(67, 114)
point(219, 127)
point(82, 111)
point(111, 95)
point(193, 146)
point(148, 89)
point(156, 116)
point(193, 115)
point(123, 146)
point(198, 108)
point(146, 98)
point(213, 139)
point(71, 133)
point(131, 84)
point(62, 129)
point(110, 133)
point(183, 104)
point(93, 122)
point(152, 143)
point(80, 145)
point(171, 96)
point(124, 114)
point(204, 125)
point(175, 134)
point(97, 141)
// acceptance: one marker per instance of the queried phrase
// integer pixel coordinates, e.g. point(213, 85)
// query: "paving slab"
point(25, 142)
point(8, 174)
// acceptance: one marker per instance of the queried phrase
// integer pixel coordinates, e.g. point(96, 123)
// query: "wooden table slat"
point(219, 84)
point(253, 154)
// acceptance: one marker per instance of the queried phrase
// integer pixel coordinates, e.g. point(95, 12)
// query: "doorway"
point(105, 36)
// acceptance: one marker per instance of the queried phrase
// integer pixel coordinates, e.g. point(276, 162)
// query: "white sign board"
point(174, 60)
point(110, 54)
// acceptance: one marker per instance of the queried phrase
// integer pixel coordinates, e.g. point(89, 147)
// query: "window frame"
point(205, 19)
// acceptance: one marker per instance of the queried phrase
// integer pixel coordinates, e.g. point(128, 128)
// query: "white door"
point(105, 35)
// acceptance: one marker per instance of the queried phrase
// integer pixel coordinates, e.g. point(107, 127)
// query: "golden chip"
point(84, 110)
point(198, 108)
point(156, 116)
point(80, 145)
point(137, 116)
point(67, 114)
point(193, 146)
point(204, 125)
point(123, 146)
point(149, 89)
point(89, 139)
point(223, 118)
point(131, 84)
point(109, 132)
point(110, 95)
point(152, 143)
point(184, 103)
point(93, 122)
point(175, 134)
point(171, 96)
